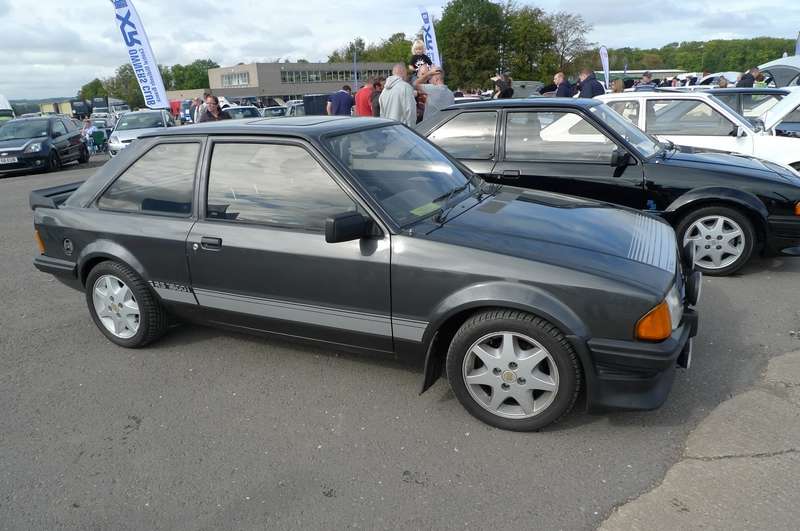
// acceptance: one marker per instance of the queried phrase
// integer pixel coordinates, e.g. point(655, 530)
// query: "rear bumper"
point(634, 375)
point(64, 270)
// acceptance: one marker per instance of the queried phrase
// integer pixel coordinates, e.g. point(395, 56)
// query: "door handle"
point(212, 244)
point(511, 174)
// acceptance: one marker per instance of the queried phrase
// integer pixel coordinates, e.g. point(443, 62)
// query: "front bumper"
point(784, 235)
point(26, 162)
point(635, 375)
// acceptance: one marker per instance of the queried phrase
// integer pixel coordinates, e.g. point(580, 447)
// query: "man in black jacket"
point(563, 88)
point(589, 86)
point(748, 79)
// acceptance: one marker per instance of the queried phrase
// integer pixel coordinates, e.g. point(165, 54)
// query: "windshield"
point(404, 173)
point(275, 111)
point(646, 144)
point(242, 112)
point(23, 129)
point(140, 121)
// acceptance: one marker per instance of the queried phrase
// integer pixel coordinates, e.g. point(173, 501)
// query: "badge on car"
point(68, 247)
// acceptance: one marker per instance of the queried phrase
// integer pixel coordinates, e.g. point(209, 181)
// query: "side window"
point(627, 109)
point(273, 184)
point(555, 136)
point(470, 135)
point(729, 99)
point(685, 118)
point(754, 105)
point(59, 128)
point(70, 125)
point(160, 182)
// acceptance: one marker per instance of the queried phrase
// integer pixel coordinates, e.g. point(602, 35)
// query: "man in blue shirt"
point(563, 88)
point(341, 102)
point(589, 86)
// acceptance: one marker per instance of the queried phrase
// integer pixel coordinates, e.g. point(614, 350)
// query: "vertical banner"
point(604, 60)
point(140, 54)
point(429, 36)
point(797, 46)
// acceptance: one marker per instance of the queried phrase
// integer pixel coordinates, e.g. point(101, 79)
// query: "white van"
point(6, 112)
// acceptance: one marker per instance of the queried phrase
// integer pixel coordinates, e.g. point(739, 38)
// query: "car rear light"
point(656, 325)
point(39, 242)
point(797, 209)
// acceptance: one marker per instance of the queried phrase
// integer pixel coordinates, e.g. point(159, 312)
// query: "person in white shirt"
point(431, 83)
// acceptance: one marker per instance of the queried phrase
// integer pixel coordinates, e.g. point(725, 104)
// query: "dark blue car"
point(40, 144)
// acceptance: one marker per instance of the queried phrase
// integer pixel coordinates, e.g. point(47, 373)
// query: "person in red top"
point(363, 97)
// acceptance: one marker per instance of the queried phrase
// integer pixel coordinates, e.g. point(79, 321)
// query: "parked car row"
point(40, 144)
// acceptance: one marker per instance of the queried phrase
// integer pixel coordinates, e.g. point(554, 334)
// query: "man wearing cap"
point(646, 83)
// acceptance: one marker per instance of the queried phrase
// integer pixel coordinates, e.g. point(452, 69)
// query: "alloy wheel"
point(510, 375)
point(718, 241)
point(116, 306)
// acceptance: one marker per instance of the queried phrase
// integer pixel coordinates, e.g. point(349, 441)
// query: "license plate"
point(8, 160)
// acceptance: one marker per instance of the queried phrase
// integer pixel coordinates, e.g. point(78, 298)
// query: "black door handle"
point(510, 174)
point(213, 244)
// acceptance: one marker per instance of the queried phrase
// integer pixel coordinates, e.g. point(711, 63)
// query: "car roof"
point(656, 94)
point(791, 61)
point(142, 111)
point(33, 118)
point(526, 102)
point(745, 90)
point(304, 126)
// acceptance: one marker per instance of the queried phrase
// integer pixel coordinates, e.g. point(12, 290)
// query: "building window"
point(238, 79)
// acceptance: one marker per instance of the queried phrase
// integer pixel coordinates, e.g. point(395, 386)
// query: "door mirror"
point(620, 158)
point(346, 227)
point(739, 131)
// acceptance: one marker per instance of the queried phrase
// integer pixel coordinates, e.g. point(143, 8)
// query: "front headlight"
point(36, 147)
point(658, 323)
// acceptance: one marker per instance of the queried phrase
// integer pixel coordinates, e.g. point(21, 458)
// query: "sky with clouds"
point(50, 48)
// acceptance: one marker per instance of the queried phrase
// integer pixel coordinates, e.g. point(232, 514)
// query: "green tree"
point(345, 54)
point(92, 89)
point(192, 76)
point(470, 36)
point(124, 85)
point(570, 32)
point(166, 77)
point(530, 39)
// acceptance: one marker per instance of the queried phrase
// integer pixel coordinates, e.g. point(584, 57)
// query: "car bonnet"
point(780, 110)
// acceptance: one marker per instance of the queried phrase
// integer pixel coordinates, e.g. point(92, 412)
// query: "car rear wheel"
point(123, 307)
point(723, 239)
point(53, 162)
point(513, 370)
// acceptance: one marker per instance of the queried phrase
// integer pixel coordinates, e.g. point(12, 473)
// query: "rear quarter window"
point(160, 182)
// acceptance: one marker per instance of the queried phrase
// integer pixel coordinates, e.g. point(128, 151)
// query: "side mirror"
point(739, 131)
point(346, 227)
point(620, 157)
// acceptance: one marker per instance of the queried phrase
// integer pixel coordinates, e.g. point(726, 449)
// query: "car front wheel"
point(513, 370)
point(122, 305)
point(723, 239)
point(53, 162)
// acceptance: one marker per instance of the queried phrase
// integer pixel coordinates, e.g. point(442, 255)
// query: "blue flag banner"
point(604, 61)
point(429, 36)
point(140, 54)
point(797, 46)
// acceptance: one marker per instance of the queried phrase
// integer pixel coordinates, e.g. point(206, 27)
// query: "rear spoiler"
point(52, 197)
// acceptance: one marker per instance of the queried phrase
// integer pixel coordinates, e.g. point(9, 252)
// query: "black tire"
point(748, 235)
point(153, 319)
point(53, 162)
point(538, 329)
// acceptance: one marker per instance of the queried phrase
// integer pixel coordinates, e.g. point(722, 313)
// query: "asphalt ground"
point(208, 429)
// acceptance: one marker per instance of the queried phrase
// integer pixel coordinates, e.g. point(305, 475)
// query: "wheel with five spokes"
point(513, 370)
point(723, 239)
point(122, 305)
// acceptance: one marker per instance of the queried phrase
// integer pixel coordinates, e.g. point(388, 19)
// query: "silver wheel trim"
point(718, 241)
point(517, 378)
point(116, 307)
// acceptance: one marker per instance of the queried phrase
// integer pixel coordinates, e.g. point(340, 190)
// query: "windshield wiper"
point(445, 199)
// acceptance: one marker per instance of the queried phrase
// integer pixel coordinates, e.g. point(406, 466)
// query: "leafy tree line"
point(124, 85)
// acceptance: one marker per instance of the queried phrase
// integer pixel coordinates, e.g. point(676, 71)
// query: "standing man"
point(749, 78)
point(589, 86)
point(563, 88)
point(363, 98)
point(374, 99)
point(341, 102)
point(431, 82)
point(397, 99)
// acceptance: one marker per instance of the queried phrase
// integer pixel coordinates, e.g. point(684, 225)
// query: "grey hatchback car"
point(360, 234)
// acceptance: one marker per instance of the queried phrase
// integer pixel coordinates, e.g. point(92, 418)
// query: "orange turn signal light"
point(656, 325)
point(39, 242)
point(797, 209)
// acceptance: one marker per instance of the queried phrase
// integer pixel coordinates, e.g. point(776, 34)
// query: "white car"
point(713, 79)
point(702, 121)
point(133, 124)
point(783, 72)
point(239, 112)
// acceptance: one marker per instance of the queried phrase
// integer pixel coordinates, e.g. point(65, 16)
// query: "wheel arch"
point(103, 250)
point(453, 311)
point(745, 202)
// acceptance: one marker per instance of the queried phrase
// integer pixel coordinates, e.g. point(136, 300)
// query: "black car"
point(360, 234)
point(753, 102)
point(40, 143)
point(727, 206)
